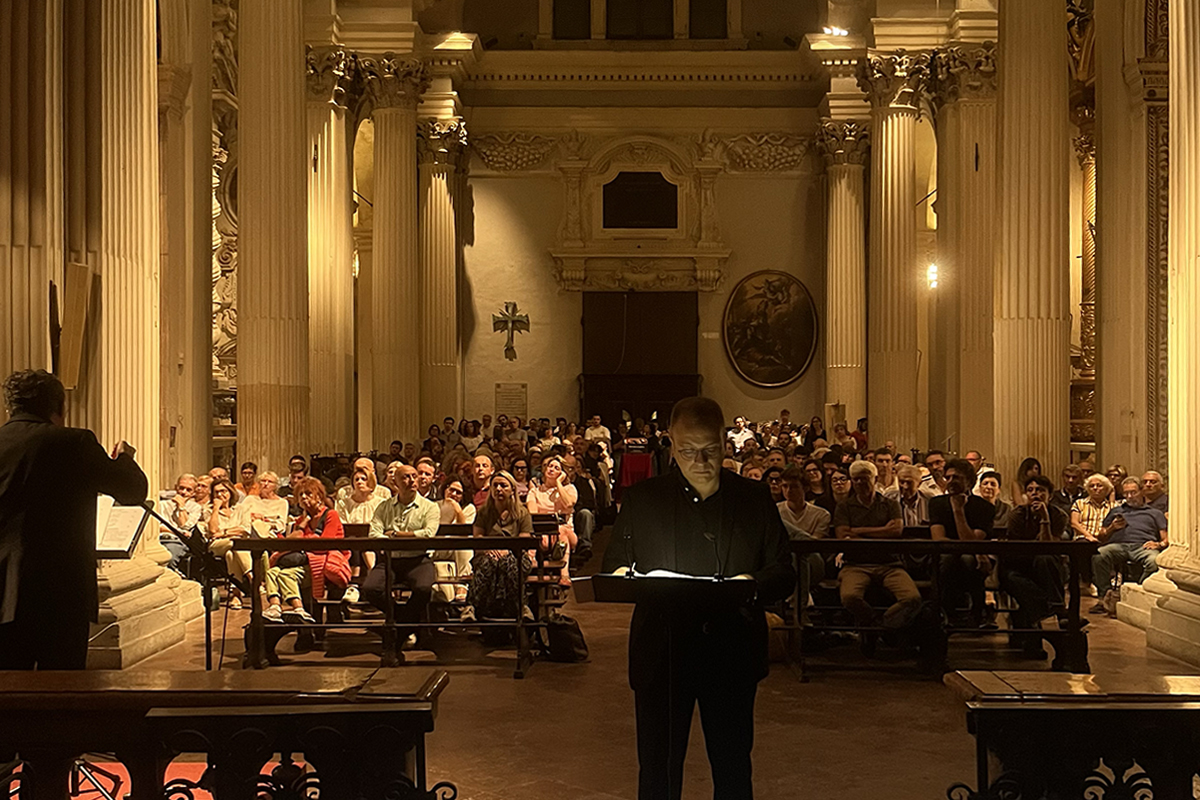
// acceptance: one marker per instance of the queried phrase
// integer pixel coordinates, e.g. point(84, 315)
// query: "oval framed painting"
point(770, 328)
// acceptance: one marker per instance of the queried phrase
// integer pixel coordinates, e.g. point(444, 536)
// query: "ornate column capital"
point(1085, 149)
point(894, 80)
point(843, 141)
point(330, 74)
point(441, 142)
point(393, 81)
point(963, 73)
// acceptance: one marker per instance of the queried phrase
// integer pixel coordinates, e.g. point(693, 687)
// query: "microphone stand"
point(208, 581)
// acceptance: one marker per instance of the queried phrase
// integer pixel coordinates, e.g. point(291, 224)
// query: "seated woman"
point(556, 495)
point(226, 522)
point(520, 472)
point(454, 563)
point(357, 507)
point(291, 571)
point(495, 588)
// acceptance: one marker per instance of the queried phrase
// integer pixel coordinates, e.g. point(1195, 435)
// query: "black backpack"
point(565, 640)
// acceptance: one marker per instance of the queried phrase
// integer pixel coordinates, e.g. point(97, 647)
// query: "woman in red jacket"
point(290, 571)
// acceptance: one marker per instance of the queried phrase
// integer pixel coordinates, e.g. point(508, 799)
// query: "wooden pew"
point(362, 729)
point(259, 651)
point(1071, 644)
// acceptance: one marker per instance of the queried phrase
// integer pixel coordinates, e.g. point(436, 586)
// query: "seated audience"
point(435, 435)
point(520, 472)
point(773, 477)
point(204, 496)
point(404, 515)
point(266, 512)
point(1155, 492)
point(816, 486)
point(474, 438)
point(248, 484)
point(297, 469)
point(739, 434)
point(840, 486)
point(1071, 489)
point(866, 514)
point(184, 512)
point(989, 489)
point(959, 514)
point(556, 495)
point(1028, 468)
point(1134, 532)
point(914, 505)
point(1036, 582)
point(885, 463)
point(803, 520)
point(752, 471)
point(1088, 512)
point(586, 507)
point(227, 522)
point(934, 483)
point(426, 473)
point(453, 564)
point(842, 437)
point(496, 589)
point(290, 572)
point(482, 468)
point(1116, 474)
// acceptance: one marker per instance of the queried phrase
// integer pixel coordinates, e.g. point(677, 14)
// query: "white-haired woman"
point(1088, 513)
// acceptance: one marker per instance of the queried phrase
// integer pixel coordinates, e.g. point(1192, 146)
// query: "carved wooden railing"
point(360, 733)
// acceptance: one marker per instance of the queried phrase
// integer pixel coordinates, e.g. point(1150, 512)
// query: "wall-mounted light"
point(931, 275)
point(835, 31)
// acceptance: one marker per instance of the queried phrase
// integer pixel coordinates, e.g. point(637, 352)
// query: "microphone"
point(712, 537)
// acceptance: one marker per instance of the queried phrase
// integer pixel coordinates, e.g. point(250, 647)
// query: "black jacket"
point(726, 644)
point(49, 479)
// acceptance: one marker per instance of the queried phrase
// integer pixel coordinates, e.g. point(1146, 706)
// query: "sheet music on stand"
point(661, 583)
point(117, 527)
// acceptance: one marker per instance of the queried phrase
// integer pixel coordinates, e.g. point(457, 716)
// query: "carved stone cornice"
point(441, 142)
point(963, 73)
point(392, 81)
point(330, 73)
point(843, 141)
point(894, 80)
point(224, 47)
point(766, 152)
point(509, 152)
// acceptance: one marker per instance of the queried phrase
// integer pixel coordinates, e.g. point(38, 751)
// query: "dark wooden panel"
point(640, 333)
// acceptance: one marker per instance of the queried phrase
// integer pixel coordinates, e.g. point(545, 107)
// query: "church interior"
point(246, 232)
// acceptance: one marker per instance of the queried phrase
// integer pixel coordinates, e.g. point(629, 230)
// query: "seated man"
point(803, 520)
point(866, 514)
point(1071, 489)
point(405, 514)
point(1036, 582)
point(958, 514)
point(585, 508)
point(1135, 533)
point(249, 483)
point(914, 505)
point(184, 512)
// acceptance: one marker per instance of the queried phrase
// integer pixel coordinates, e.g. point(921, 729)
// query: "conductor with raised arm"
point(50, 476)
point(699, 520)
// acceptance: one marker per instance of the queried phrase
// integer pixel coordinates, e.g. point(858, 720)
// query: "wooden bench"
point(1070, 644)
point(363, 730)
point(260, 643)
point(1073, 736)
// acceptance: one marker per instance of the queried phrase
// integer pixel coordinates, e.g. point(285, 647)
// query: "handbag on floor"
point(565, 642)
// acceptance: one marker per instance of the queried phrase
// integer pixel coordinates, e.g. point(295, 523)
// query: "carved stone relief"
point(1157, 173)
point(509, 152)
point(224, 169)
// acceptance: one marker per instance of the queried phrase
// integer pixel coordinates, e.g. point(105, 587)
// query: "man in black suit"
point(700, 520)
point(50, 476)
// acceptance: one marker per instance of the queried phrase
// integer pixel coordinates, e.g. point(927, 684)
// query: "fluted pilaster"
point(31, 177)
point(330, 252)
point(1184, 287)
point(963, 84)
point(124, 385)
point(394, 85)
point(892, 83)
point(440, 145)
point(273, 341)
point(1032, 304)
point(845, 146)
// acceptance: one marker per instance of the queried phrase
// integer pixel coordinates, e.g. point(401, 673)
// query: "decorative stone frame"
point(589, 257)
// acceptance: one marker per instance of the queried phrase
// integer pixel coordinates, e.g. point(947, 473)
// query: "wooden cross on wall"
point(510, 322)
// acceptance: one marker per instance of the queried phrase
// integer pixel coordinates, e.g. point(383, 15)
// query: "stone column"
point(394, 85)
point(964, 89)
point(844, 143)
point(273, 377)
point(1032, 304)
point(363, 239)
point(31, 179)
point(441, 144)
point(1085, 149)
point(891, 83)
point(330, 253)
point(124, 376)
point(1175, 621)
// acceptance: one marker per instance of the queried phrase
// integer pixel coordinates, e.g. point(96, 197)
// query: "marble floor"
point(859, 730)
